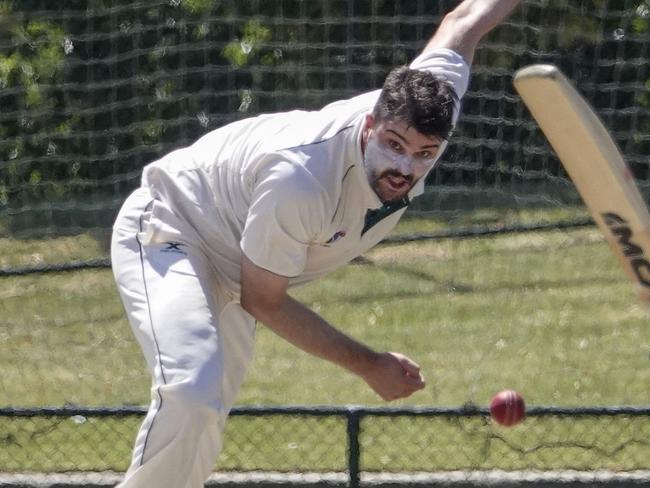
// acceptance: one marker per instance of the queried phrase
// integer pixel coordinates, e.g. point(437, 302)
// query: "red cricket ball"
point(508, 408)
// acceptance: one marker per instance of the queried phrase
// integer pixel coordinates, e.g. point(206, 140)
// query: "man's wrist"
point(365, 361)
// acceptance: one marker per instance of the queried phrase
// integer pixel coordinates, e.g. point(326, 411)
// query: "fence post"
point(353, 416)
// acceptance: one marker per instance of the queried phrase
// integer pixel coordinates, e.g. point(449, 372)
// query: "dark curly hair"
point(420, 99)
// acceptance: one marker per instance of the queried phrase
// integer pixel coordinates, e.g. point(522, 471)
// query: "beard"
point(391, 185)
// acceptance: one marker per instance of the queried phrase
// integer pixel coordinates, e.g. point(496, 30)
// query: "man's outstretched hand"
point(394, 376)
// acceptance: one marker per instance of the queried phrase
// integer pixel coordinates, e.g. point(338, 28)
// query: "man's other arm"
point(462, 28)
point(264, 296)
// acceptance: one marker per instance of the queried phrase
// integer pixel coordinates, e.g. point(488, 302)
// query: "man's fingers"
point(409, 365)
point(416, 382)
point(412, 370)
point(412, 387)
point(395, 376)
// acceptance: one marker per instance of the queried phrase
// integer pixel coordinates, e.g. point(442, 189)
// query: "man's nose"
point(404, 165)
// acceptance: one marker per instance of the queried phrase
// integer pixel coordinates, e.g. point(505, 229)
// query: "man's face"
point(396, 156)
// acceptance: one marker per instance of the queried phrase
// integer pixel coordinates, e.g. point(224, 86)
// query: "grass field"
point(549, 314)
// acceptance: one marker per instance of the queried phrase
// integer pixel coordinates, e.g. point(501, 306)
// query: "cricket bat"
point(595, 165)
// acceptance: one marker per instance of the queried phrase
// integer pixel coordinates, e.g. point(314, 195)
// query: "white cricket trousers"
point(197, 345)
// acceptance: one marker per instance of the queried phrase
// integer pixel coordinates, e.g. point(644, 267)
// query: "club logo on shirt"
point(338, 235)
point(174, 247)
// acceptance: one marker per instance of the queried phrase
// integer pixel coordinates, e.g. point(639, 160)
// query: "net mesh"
point(92, 91)
point(402, 443)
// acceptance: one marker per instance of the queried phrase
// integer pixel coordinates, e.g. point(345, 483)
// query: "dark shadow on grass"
point(453, 287)
point(420, 274)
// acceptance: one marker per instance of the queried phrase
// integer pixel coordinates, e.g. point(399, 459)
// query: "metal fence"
point(352, 440)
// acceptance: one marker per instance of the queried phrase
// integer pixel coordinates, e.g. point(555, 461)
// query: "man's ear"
point(370, 121)
point(365, 133)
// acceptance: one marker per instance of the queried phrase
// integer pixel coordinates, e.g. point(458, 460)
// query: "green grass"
point(35, 252)
point(413, 223)
point(480, 315)
point(549, 314)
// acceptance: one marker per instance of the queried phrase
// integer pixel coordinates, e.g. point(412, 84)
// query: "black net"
point(398, 442)
point(92, 91)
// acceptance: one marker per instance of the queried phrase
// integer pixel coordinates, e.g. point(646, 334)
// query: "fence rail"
point(353, 415)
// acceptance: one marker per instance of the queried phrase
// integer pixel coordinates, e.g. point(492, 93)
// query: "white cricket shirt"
point(288, 189)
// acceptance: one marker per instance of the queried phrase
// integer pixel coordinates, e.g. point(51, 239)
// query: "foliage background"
point(90, 91)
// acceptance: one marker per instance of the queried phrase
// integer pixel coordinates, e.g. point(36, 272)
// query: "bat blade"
point(595, 165)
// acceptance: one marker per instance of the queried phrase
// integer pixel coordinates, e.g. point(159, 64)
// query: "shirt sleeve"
point(447, 64)
point(284, 218)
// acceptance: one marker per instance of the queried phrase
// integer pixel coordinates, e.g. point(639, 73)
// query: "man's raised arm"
point(462, 28)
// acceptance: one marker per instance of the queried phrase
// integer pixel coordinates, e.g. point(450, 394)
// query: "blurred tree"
point(91, 92)
point(31, 67)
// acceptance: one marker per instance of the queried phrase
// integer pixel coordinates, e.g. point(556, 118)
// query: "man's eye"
point(394, 145)
point(425, 155)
